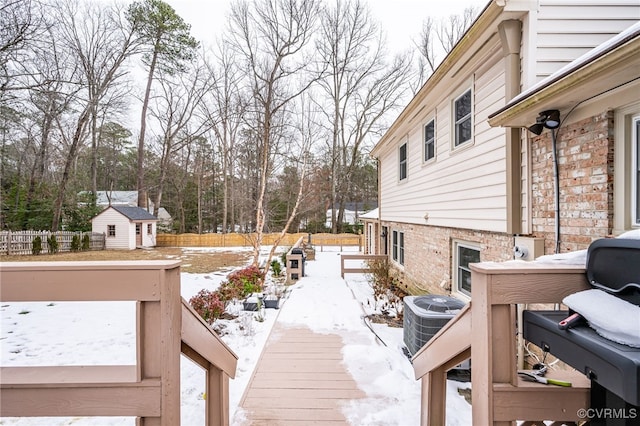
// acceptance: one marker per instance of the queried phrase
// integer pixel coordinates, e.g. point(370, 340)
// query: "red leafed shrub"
point(228, 292)
point(246, 280)
point(208, 304)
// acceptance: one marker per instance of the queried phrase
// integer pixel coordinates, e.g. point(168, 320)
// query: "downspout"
point(511, 38)
point(510, 32)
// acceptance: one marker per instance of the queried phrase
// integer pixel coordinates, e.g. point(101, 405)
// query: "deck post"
point(217, 400)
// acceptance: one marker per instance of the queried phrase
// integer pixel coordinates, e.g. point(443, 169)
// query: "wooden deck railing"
point(359, 270)
point(485, 330)
point(166, 326)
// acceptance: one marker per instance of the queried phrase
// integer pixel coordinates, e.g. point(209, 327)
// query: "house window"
point(403, 161)
point(138, 230)
point(464, 254)
point(398, 247)
point(111, 230)
point(429, 140)
point(462, 116)
point(149, 229)
point(626, 169)
point(636, 177)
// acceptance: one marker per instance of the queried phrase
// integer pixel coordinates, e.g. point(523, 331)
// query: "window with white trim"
point(397, 250)
point(636, 169)
point(430, 140)
point(111, 230)
point(626, 168)
point(149, 228)
point(464, 253)
point(403, 161)
point(462, 118)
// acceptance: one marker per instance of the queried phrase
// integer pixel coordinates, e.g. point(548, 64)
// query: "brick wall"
point(585, 158)
point(428, 254)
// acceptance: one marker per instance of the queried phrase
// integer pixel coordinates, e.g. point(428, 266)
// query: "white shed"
point(126, 227)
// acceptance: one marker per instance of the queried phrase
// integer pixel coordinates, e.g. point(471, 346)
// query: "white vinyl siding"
point(461, 189)
point(568, 29)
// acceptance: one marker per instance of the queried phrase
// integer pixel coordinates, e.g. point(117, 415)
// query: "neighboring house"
point(454, 190)
point(352, 212)
point(130, 198)
point(126, 227)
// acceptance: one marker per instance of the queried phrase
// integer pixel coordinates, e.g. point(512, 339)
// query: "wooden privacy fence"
point(21, 242)
point(166, 326)
point(245, 240)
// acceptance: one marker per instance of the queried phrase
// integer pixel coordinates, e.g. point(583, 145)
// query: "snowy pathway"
point(318, 350)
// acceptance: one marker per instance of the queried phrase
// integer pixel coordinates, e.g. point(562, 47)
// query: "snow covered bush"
point(208, 305)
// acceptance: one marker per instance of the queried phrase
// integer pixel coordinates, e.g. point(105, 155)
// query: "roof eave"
point(612, 69)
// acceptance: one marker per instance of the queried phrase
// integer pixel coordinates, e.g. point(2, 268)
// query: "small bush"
point(208, 305)
point(276, 267)
point(36, 245)
point(228, 292)
point(86, 241)
point(248, 280)
point(53, 244)
point(75, 243)
point(388, 290)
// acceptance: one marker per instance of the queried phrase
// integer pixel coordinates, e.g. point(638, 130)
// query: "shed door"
point(138, 234)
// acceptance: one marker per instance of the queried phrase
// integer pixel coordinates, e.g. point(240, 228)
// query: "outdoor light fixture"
point(549, 119)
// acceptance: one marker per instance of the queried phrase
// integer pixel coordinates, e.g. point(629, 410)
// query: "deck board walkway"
point(299, 380)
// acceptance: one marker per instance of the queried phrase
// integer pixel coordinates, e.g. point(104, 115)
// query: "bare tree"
point(361, 86)
point(175, 110)
point(225, 110)
point(437, 39)
point(271, 36)
point(100, 45)
point(306, 131)
point(21, 22)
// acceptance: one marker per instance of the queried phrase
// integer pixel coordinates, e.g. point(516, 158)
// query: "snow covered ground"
point(77, 333)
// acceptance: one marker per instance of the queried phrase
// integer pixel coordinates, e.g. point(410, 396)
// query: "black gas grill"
point(613, 265)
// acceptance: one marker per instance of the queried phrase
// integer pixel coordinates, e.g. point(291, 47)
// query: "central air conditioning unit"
point(424, 316)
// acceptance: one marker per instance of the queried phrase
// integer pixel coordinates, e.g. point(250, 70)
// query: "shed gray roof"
point(135, 213)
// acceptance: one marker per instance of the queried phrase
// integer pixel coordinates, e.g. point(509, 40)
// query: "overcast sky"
point(400, 19)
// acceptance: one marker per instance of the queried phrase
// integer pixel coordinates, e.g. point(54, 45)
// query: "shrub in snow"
point(276, 267)
point(208, 305)
point(388, 290)
point(248, 280)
